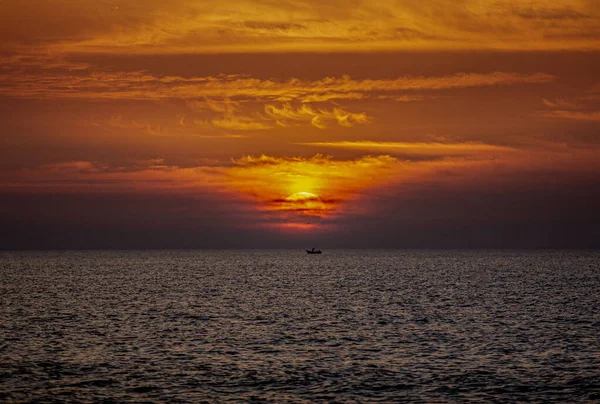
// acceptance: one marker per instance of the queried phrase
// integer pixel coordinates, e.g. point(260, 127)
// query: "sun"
point(305, 203)
point(302, 196)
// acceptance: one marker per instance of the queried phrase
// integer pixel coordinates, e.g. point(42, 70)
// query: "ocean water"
point(284, 326)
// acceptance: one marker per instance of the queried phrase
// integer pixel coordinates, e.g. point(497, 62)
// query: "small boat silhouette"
point(313, 251)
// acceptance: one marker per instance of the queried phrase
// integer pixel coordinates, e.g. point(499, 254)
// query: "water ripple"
point(281, 326)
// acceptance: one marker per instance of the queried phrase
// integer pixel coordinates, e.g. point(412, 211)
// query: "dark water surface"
point(345, 326)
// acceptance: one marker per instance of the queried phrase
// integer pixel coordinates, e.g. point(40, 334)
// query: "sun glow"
point(305, 203)
point(299, 188)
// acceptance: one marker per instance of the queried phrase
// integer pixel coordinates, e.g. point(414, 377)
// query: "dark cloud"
point(264, 25)
point(410, 34)
point(559, 13)
point(558, 212)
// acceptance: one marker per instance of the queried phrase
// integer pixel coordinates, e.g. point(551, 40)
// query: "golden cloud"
point(317, 117)
point(418, 148)
point(222, 93)
point(155, 130)
point(236, 122)
point(152, 26)
point(590, 116)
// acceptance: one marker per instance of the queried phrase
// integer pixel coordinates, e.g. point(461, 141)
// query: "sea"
point(346, 326)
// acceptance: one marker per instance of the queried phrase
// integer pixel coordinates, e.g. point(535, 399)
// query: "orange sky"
point(299, 120)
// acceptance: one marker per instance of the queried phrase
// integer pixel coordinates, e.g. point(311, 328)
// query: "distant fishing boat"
point(313, 251)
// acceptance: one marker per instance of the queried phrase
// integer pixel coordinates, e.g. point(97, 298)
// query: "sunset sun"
point(305, 203)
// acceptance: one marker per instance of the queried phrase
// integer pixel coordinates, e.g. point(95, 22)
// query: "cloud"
point(225, 106)
point(579, 108)
point(235, 122)
point(128, 26)
point(332, 96)
point(229, 117)
point(417, 148)
point(560, 103)
point(155, 130)
point(550, 13)
point(74, 167)
point(225, 136)
point(275, 116)
point(224, 92)
point(272, 26)
point(270, 178)
point(590, 116)
point(317, 117)
point(407, 98)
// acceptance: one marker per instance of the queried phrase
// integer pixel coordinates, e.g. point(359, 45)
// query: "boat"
point(313, 251)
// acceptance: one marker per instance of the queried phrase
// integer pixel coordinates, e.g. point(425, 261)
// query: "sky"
point(299, 124)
